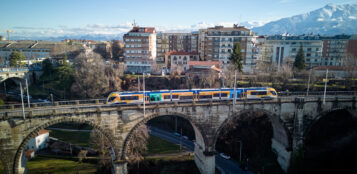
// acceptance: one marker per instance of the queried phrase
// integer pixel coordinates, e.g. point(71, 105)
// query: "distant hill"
point(329, 20)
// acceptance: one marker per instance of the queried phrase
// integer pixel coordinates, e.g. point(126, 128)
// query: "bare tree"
point(90, 79)
point(156, 68)
point(102, 145)
point(350, 66)
point(137, 145)
point(229, 76)
point(82, 155)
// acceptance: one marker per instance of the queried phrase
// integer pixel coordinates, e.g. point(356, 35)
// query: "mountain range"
point(329, 20)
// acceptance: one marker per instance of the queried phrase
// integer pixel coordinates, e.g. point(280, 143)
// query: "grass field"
point(73, 137)
point(160, 146)
point(58, 166)
point(1, 168)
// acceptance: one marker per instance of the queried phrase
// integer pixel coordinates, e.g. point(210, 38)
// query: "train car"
point(258, 93)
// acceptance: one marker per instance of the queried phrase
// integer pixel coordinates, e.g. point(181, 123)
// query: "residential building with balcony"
point(168, 42)
point(140, 49)
point(217, 43)
point(337, 48)
point(280, 49)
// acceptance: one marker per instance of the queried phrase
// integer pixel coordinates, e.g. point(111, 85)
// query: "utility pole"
point(5, 88)
point(22, 101)
point(223, 78)
point(235, 94)
point(181, 140)
point(144, 91)
point(28, 95)
point(175, 123)
point(324, 101)
point(308, 83)
point(240, 150)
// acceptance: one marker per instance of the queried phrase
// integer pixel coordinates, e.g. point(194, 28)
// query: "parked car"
point(177, 134)
point(224, 156)
point(185, 137)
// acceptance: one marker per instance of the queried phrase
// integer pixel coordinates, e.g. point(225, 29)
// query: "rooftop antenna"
point(134, 24)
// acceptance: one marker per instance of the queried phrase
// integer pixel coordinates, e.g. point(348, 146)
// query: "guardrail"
point(314, 93)
point(55, 104)
point(13, 69)
point(78, 108)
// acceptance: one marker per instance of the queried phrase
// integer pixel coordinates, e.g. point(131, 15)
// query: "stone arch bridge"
point(290, 118)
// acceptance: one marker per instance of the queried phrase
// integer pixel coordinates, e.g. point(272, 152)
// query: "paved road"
point(228, 166)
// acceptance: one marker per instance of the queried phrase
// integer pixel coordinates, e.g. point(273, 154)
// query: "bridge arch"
point(324, 113)
point(281, 140)
point(200, 138)
point(329, 142)
point(280, 131)
point(108, 135)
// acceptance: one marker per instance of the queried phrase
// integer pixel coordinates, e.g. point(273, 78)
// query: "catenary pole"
point(144, 91)
point(308, 83)
point(325, 86)
point(28, 95)
point(22, 101)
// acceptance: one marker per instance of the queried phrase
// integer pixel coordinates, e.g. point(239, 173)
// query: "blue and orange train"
point(254, 93)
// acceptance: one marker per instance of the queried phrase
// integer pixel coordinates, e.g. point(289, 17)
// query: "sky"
point(70, 17)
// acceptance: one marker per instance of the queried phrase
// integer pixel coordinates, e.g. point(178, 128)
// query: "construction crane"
point(8, 34)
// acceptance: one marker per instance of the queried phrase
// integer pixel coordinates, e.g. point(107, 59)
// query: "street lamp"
point(240, 149)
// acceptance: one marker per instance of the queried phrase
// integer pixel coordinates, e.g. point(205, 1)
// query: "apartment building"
point(167, 42)
point(217, 43)
point(280, 49)
point(336, 48)
point(140, 49)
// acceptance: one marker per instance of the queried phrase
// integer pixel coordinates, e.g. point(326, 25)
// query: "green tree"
point(300, 59)
point(16, 57)
point(47, 66)
point(65, 75)
point(236, 57)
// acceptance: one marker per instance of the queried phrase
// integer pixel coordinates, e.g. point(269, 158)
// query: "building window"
point(175, 58)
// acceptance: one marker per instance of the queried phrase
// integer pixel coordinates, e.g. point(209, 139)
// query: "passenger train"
point(254, 93)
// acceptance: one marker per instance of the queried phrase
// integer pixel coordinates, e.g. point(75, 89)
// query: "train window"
point(216, 95)
point(224, 95)
point(272, 92)
point(129, 98)
point(166, 97)
point(189, 97)
point(111, 99)
point(205, 96)
point(175, 96)
point(258, 93)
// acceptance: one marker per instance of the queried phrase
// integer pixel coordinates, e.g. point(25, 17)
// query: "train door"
point(155, 97)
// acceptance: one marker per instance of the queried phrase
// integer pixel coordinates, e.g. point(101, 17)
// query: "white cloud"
point(114, 30)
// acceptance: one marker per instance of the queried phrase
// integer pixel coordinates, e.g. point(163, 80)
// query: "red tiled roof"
point(182, 53)
point(42, 131)
point(146, 29)
point(204, 63)
point(332, 68)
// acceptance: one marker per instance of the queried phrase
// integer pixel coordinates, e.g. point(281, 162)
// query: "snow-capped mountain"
point(329, 20)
